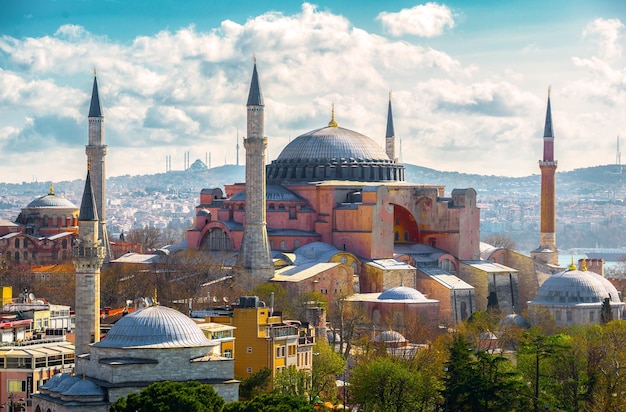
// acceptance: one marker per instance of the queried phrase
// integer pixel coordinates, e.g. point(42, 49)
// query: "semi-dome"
point(333, 153)
point(154, 327)
point(402, 293)
point(575, 286)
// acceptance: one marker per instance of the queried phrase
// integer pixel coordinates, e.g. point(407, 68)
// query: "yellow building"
point(222, 333)
point(264, 339)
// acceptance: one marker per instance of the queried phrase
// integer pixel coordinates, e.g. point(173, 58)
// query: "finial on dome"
point(572, 266)
point(51, 191)
point(94, 71)
point(584, 265)
point(333, 122)
point(254, 58)
point(88, 164)
point(549, 87)
point(389, 94)
point(155, 302)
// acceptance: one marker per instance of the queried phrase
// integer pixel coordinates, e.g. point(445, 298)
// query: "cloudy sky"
point(469, 80)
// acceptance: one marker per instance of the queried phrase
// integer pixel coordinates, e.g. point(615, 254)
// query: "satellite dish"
point(225, 299)
point(31, 296)
point(214, 299)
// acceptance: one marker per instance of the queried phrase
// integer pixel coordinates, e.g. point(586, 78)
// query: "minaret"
point(87, 255)
point(96, 151)
point(390, 136)
point(547, 251)
point(255, 257)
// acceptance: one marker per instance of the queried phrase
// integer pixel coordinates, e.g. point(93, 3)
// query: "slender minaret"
point(390, 136)
point(96, 151)
point(88, 254)
point(255, 257)
point(547, 251)
point(237, 149)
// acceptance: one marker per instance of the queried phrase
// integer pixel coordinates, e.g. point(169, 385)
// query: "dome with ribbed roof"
point(155, 327)
point(402, 293)
point(574, 287)
point(51, 200)
point(333, 153)
point(390, 336)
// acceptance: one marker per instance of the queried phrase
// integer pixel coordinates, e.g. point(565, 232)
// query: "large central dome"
point(333, 143)
point(333, 153)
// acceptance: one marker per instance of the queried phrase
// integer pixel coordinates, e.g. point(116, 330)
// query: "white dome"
point(574, 286)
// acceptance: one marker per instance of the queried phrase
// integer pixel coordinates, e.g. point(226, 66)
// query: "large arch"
point(405, 227)
point(216, 238)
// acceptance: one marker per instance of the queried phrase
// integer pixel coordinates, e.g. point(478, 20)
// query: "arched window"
point(17, 256)
point(283, 245)
point(296, 244)
point(463, 311)
point(25, 255)
point(216, 239)
point(17, 243)
point(64, 244)
point(25, 243)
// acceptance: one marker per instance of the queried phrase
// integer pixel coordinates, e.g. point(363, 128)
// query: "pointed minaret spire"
point(547, 251)
point(94, 107)
point(88, 209)
point(390, 136)
point(255, 97)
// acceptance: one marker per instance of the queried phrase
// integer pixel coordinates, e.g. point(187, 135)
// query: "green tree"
point(327, 365)
point(255, 384)
point(271, 402)
point(168, 396)
point(606, 314)
point(480, 381)
point(383, 384)
point(291, 381)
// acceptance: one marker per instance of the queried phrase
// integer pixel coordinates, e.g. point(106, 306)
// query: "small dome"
point(84, 387)
point(401, 293)
point(203, 212)
point(390, 336)
point(575, 286)
point(154, 327)
point(51, 200)
point(64, 385)
point(54, 381)
point(513, 320)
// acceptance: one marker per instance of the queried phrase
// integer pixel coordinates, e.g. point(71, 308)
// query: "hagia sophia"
point(331, 214)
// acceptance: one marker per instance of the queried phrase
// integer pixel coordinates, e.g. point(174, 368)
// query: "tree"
point(168, 396)
point(291, 381)
point(327, 365)
point(271, 402)
point(480, 381)
point(606, 314)
point(148, 237)
point(384, 384)
point(500, 240)
point(255, 384)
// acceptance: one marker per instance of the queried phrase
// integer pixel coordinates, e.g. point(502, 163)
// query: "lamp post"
point(14, 406)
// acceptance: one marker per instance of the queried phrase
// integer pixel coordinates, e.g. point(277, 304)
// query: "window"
point(25, 255)
point(292, 350)
point(228, 353)
point(249, 370)
point(17, 243)
point(25, 243)
point(15, 385)
point(17, 256)
point(280, 351)
point(592, 316)
point(249, 349)
point(296, 244)
point(557, 315)
point(64, 244)
point(569, 315)
point(283, 245)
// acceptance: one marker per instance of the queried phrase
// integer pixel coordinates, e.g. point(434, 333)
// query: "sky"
point(469, 80)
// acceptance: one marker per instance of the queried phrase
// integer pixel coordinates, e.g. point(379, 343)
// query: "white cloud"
point(424, 20)
point(607, 33)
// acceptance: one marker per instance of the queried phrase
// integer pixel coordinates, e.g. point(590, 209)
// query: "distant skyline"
point(469, 80)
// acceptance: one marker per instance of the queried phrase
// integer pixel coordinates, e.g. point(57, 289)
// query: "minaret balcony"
point(544, 163)
point(80, 252)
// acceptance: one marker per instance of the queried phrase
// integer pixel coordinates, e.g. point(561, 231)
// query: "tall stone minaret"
point(390, 136)
point(96, 151)
point(255, 257)
point(87, 255)
point(547, 251)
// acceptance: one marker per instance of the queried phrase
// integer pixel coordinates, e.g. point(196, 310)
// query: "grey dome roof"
point(65, 384)
point(513, 320)
point(401, 293)
point(575, 286)
point(332, 143)
point(54, 381)
point(84, 387)
point(390, 336)
point(51, 200)
point(333, 153)
point(154, 327)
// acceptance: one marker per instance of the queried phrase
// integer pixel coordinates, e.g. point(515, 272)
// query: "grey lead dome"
point(155, 327)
